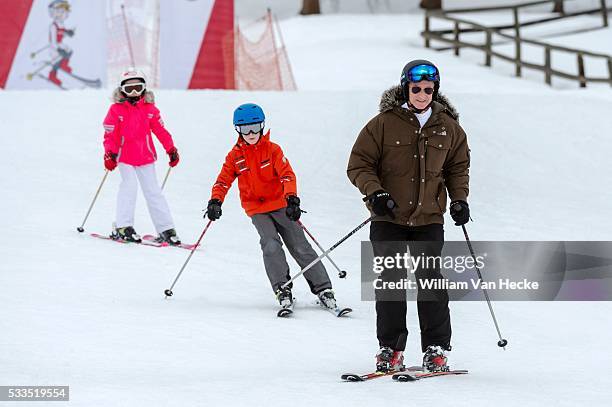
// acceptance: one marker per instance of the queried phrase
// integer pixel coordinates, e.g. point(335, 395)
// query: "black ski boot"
point(284, 297)
point(169, 236)
point(127, 234)
point(327, 299)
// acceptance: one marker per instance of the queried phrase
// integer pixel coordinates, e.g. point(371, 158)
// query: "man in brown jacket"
point(404, 161)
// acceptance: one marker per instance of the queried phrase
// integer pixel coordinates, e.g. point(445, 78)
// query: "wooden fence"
point(487, 47)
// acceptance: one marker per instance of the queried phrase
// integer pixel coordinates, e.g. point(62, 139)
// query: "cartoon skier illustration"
point(59, 52)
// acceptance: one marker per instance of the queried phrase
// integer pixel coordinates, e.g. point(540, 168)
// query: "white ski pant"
point(126, 198)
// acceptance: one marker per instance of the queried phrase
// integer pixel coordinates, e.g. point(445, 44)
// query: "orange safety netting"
point(258, 65)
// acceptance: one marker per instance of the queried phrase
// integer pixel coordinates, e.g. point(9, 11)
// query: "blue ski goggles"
point(423, 73)
point(246, 129)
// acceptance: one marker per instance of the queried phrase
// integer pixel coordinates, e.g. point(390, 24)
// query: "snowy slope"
point(91, 314)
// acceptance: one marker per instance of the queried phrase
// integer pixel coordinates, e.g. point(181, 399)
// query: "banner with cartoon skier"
point(63, 46)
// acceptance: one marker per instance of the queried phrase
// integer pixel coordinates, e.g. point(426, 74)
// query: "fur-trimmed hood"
point(118, 97)
point(394, 98)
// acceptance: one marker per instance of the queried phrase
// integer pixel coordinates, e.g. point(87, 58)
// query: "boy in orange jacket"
point(268, 194)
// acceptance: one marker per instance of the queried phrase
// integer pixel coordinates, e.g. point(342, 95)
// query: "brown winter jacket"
point(415, 166)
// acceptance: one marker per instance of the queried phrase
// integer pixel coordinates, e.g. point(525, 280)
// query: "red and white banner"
point(196, 47)
point(75, 44)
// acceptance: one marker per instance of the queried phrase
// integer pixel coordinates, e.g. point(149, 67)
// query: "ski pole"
point(33, 54)
point(502, 342)
point(326, 252)
point(166, 177)
point(169, 292)
point(30, 75)
point(80, 228)
point(341, 273)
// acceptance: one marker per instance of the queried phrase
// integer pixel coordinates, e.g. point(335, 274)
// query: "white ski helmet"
point(132, 73)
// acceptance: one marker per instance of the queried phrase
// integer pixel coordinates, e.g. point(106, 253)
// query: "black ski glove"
point(293, 210)
point(214, 209)
point(460, 212)
point(382, 203)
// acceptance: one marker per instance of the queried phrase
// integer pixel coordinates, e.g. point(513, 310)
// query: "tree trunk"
point(431, 4)
point(310, 7)
point(558, 7)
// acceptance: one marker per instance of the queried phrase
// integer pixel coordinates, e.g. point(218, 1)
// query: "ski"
point(93, 83)
point(153, 239)
point(410, 374)
point(414, 375)
point(352, 377)
point(143, 243)
point(338, 311)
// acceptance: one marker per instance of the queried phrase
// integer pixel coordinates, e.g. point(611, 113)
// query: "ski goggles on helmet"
point(246, 129)
point(133, 89)
point(423, 73)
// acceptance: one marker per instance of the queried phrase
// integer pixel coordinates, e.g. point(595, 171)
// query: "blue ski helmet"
point(248, 113)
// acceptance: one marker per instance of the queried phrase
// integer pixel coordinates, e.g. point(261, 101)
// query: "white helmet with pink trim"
point(132, 73)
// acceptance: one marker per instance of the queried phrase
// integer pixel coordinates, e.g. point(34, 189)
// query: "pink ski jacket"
point(127, 130)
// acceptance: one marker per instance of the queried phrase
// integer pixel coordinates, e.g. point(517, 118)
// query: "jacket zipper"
point(148, 136)
point(149, 146)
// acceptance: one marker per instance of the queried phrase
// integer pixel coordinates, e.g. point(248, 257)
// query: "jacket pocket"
point(434, 198)
point(437, 150)
point(441, 199)
point(398, 157)
point(266, 171)
point(240, 165)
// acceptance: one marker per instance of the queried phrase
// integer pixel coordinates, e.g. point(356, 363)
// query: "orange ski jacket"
point(265, 177)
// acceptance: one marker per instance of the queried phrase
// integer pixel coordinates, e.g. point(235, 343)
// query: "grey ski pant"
point(269, 226)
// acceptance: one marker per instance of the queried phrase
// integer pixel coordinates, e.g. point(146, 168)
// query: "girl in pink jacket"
point(128, 145)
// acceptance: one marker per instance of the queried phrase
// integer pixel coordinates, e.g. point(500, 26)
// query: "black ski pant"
point(432, 304)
